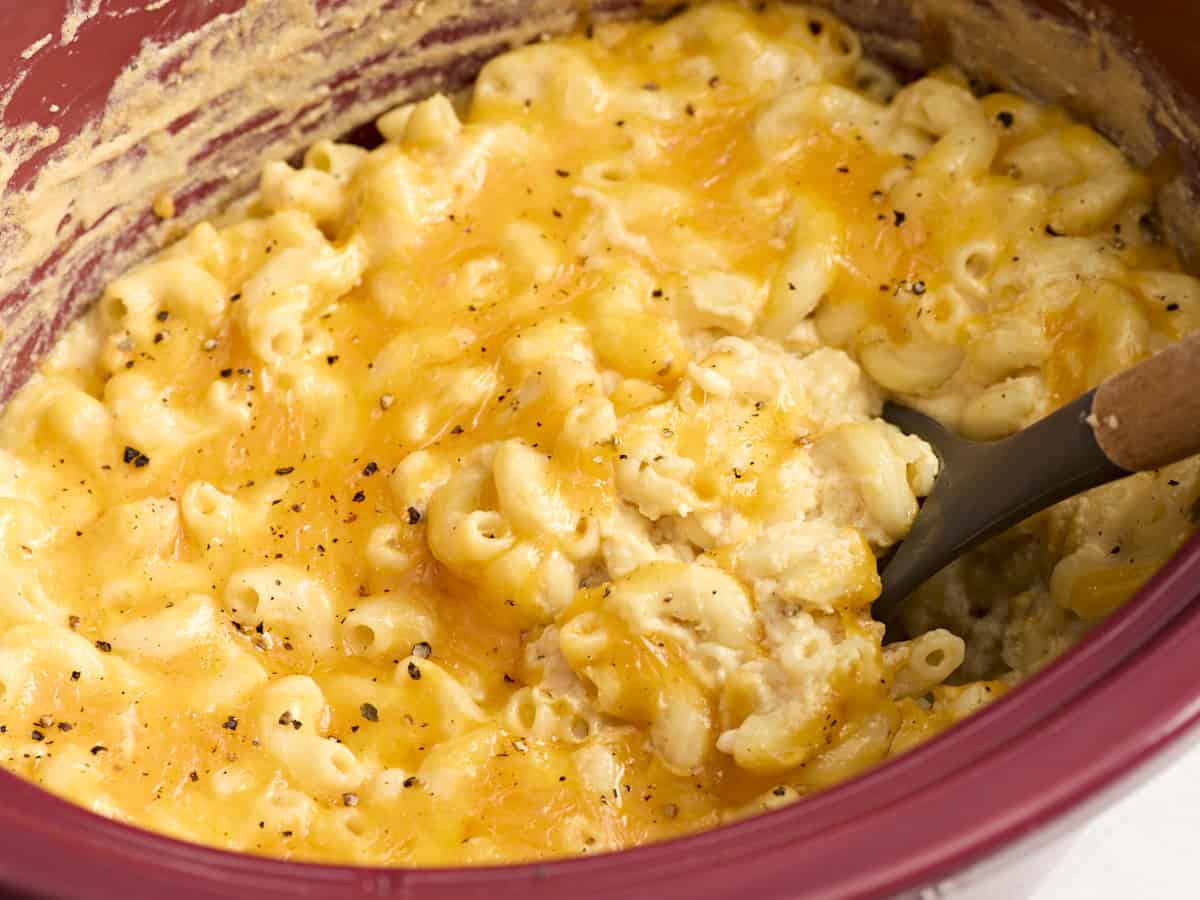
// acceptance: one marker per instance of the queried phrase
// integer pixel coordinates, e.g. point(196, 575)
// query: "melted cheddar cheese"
point(514, 490)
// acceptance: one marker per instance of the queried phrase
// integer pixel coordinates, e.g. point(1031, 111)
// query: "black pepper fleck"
point(369, 712)
point(414, 671)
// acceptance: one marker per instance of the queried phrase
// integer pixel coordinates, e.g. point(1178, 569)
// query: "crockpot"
point(124, 121)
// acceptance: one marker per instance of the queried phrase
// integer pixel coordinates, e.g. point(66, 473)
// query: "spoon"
point(1140, 419)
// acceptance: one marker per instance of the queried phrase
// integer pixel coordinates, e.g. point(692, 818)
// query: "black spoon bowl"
point(985, 487)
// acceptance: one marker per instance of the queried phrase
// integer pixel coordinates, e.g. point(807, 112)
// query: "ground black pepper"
point(135, 456)
point(414, 671)
point(369, 712)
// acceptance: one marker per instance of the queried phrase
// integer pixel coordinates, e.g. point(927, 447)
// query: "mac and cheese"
point(515, 489)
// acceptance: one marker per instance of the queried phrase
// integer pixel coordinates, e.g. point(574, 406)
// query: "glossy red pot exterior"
point(973, 813)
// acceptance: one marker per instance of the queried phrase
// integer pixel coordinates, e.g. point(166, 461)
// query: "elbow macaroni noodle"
point(514, 490)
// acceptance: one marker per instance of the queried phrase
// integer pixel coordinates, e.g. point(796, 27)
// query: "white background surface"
point(1145, 847)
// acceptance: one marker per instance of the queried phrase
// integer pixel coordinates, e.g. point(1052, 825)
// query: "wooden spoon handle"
point(1149, 416)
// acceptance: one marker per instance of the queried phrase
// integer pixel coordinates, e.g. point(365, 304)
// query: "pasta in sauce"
point(528, 469)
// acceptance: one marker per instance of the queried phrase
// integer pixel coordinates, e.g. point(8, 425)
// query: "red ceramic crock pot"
point(110, 107)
